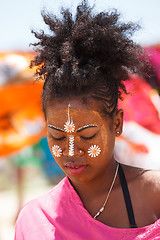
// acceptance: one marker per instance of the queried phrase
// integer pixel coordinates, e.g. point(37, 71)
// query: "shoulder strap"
point(127, 197)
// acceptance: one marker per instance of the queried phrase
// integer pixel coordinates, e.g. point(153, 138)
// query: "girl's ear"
point(118, 122)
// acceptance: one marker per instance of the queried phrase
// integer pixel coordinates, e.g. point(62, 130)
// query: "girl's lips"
point(75, 169)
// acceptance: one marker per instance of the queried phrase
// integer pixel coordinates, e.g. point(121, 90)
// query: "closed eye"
point(58, 139)
point(87, 138)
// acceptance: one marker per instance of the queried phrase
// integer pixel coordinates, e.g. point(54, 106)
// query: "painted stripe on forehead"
point(56, 128)
point(69, 126)
point(86, 126)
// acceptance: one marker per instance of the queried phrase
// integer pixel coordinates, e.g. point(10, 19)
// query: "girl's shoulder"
point(146, 183)
point(47, 201)
point(151, 181)
point(144, 176)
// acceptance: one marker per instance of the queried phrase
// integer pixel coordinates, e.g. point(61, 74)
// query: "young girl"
point(85, 62)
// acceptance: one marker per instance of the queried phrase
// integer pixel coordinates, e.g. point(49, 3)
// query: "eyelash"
point(87, 138)
point(58, 139)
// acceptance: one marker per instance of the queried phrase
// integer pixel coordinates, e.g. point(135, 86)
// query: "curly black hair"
point(88, 54)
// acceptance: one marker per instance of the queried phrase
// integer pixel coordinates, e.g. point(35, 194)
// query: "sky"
point(18, 17)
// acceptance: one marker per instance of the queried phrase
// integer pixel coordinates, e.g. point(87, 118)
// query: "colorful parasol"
point(21, 118)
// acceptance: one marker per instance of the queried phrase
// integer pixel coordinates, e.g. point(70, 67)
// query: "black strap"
point(127, 197)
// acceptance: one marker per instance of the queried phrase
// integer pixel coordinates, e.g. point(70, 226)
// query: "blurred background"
point(27, 168)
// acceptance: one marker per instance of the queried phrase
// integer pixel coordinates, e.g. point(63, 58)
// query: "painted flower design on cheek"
point(94, 151)
point(56, 150)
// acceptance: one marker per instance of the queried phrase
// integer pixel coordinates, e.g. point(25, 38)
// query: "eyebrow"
point(56, 128)
point(86, 126)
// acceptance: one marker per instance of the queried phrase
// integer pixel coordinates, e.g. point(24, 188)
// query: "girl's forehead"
point(75, 110)
point(75, 114)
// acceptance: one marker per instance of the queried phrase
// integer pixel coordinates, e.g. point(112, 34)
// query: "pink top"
point(60, 215)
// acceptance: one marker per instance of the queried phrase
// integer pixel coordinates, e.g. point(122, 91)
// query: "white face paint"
point(69, 126)
point(56, 128)
point(56, 150)
point(71, 145)
point(86, 126)
point(94, 151)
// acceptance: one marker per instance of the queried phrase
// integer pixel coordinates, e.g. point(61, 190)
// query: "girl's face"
point(80, 138)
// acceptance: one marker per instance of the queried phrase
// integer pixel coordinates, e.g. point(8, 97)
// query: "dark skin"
point(93, 183)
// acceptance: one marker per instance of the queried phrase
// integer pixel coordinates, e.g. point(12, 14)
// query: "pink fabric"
point(60, 215)
point(138, 106)
point(154, 58)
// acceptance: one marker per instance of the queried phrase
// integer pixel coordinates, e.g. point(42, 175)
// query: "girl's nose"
point(72, 148)
point(77, 152)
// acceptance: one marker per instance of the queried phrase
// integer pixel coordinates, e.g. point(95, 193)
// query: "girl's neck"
point(97, 186)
